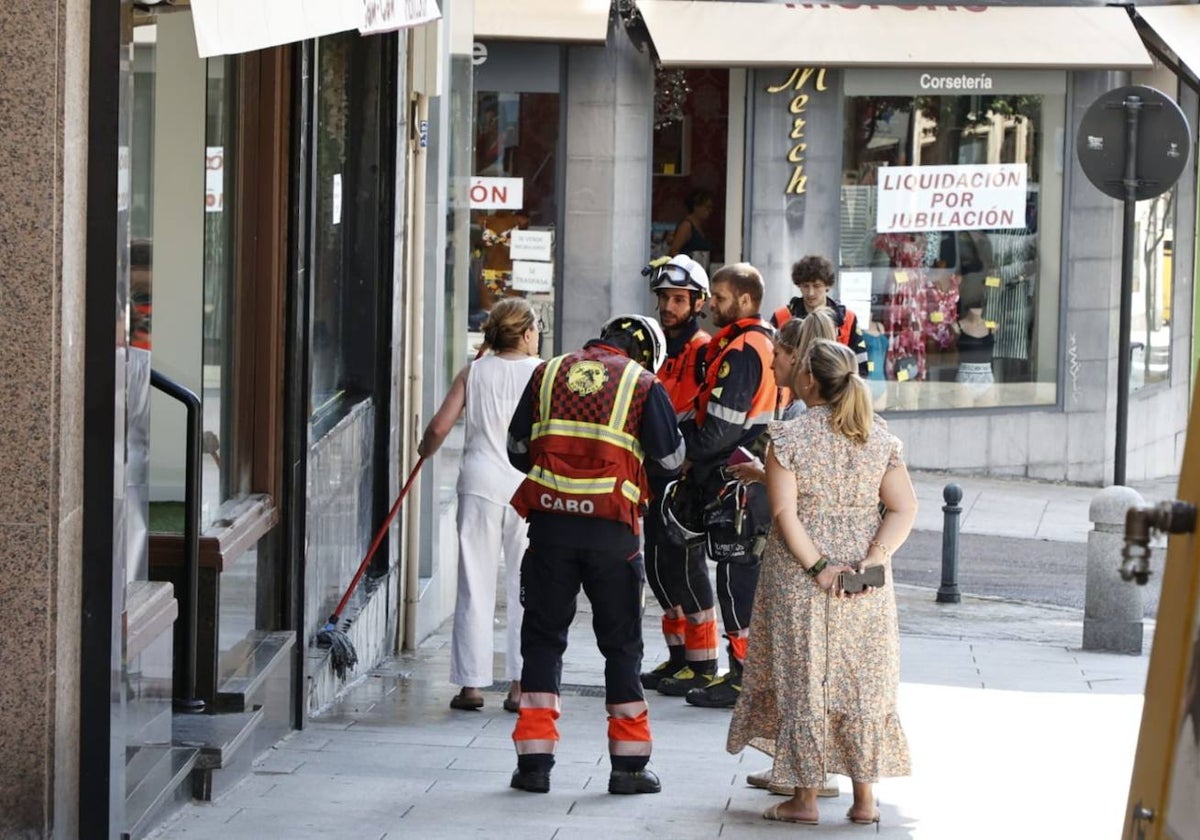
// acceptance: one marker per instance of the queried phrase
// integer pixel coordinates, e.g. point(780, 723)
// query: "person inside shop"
point(814, 277)
point(585, 432)
point(689, 237)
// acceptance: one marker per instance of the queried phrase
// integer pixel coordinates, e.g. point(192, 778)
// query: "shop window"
point(1153, 269)
point(346, 217)
point(514, 205)
point(690, 164)
point(1150, 321)
point(949, 251)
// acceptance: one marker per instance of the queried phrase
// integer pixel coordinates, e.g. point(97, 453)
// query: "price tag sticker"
point(901, 375)
point(936, 317)
point(901, 276)
point(993, 282)
point(991, 325)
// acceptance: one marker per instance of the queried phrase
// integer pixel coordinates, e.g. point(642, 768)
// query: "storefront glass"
point(513, 191)
point(951, 208)
point(1154, 238)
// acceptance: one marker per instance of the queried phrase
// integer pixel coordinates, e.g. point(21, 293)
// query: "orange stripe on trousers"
point(702, 638)
point(738, 645)
point(629, 729)
point(536, 725)
point(674, 629)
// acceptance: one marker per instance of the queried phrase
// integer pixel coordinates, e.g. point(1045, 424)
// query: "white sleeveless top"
point(494, 387)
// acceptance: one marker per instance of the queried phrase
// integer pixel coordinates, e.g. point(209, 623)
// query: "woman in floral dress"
point(823, 667)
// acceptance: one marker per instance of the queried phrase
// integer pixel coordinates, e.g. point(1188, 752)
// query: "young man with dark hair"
point(814, 277)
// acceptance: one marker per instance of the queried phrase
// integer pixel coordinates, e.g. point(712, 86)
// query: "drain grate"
point(566, 689)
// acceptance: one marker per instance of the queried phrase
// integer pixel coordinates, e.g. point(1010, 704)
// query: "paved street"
point(1014, 733)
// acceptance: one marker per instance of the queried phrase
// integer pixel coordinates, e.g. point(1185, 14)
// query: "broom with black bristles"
point(341, 649)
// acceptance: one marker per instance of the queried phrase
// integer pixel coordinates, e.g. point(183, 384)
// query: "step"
point(154, 777)
point(150, 612)
point(263, 652)
point(217, 737)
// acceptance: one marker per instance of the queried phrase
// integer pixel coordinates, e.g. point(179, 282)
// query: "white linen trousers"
point(489, 530)
point(487, 534)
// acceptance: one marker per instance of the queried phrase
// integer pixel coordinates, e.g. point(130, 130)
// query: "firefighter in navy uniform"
point(679, 577)
point(737, 398)
point(580, 434)
point(814, 277)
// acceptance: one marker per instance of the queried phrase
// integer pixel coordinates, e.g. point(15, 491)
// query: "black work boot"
point(683, 681)
point(652, 678)
point(533, 781)
point(633, 781)
point(720, 693)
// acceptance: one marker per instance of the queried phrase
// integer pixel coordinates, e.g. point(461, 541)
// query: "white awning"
point(728, 34)
point(224, 27)
point(565, 21)
point(1178, 27)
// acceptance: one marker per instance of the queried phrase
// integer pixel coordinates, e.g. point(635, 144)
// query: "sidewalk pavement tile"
point(995, 698)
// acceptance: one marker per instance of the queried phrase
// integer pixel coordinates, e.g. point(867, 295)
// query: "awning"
point(224, 27)
point(728, 34)
point(1178, 28)
point(565, 21)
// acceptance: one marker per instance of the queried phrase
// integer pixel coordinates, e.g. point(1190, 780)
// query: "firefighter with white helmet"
point(678, 575)
point(581, 433)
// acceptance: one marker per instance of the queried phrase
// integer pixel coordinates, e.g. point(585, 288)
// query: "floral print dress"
point(822, 673)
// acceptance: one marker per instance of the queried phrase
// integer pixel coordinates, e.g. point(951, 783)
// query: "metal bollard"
point(948, 592)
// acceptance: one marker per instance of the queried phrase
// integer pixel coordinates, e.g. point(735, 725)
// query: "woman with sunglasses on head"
point(823, 669)
point(487, 391)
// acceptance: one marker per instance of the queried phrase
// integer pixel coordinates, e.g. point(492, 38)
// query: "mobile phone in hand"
point(854, 582)
point(741, 455)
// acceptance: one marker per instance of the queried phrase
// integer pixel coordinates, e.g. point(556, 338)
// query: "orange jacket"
point(746, 333)
point(680, 377)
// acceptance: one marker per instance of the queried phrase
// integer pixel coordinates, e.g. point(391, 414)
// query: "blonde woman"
point(489, 530)
point(823, 667)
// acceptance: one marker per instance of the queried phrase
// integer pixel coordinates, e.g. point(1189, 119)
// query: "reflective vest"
point(584, 446)
point(747, 332)
point(681, 376)
point(845, 333)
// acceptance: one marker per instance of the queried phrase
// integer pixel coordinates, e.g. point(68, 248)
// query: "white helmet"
point(679, 272)
point(651, 343)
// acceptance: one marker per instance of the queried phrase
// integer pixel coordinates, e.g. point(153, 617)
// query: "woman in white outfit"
point(487, 391)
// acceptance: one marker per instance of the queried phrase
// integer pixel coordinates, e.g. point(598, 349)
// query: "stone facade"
point(44, 53)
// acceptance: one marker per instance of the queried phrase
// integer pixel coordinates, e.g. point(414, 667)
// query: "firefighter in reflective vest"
point(679, 577)
point(736, 400)
point(581, 432)
point(814, 277)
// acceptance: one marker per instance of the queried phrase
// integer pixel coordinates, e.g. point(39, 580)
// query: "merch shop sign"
point(937, 198)
point(795, 87)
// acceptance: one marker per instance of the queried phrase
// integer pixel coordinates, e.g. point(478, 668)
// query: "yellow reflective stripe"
point(630, 491)
point(548, 377)
point(620, 410)
point(563, 483)
point(588, 431)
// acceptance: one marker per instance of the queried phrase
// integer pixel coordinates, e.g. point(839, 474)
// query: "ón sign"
point(496, 193)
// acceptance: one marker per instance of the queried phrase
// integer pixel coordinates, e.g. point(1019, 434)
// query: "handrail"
point(188, 701)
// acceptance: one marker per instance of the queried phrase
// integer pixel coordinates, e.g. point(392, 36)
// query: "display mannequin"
point(976, 343)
